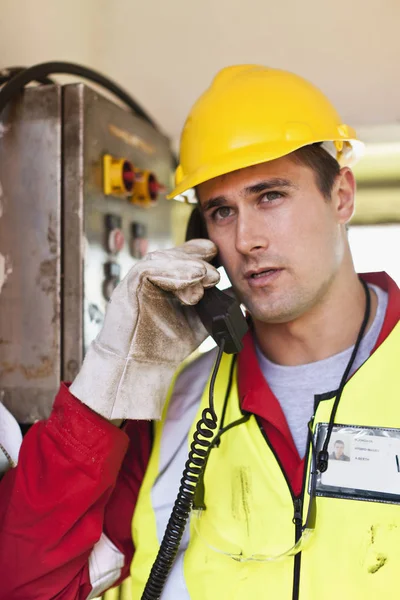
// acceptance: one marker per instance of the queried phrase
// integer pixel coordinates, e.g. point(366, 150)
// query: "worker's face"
point(339, 450)
point(280, 240)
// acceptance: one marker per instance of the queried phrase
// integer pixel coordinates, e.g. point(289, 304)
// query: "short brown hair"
point(325, 167)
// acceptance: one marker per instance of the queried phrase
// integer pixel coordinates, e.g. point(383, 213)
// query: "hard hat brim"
point(254, 155)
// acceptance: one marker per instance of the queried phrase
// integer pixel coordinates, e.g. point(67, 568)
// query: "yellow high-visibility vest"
point(354, 552)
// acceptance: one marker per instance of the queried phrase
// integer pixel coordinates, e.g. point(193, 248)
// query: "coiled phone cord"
point(194, 467)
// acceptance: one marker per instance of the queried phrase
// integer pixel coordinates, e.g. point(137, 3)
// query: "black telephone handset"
point(222, 316)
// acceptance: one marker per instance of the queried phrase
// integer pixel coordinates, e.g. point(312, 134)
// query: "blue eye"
point(271, 196)
point(221, 213)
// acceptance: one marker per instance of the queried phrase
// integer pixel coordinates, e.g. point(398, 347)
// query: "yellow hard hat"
point(252, 114)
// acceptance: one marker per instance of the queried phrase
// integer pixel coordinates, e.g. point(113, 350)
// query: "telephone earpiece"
point(219, 312)
point(196, 228)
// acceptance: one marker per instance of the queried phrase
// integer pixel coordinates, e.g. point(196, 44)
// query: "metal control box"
point(64, 243)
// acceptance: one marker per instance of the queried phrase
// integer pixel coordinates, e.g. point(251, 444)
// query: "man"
point(267, 157)
point(338, 452)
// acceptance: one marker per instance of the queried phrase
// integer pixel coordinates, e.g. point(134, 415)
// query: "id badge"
point(364, 463)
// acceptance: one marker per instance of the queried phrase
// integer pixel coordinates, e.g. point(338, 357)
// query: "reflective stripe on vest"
point(354, 552)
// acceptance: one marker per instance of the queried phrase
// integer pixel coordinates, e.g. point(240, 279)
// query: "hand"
point(150, 327)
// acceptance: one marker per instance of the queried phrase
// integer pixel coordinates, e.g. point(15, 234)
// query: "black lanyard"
point(323, 455)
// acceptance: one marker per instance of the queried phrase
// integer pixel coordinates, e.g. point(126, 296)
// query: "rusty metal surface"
point(30, 177)
point(52, 232)
point(73, 222)
point(94, 126)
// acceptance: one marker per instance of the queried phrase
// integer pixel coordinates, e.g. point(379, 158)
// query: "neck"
point(330, 327)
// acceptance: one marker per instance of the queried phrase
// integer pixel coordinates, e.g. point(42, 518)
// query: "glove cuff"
point(122, 388)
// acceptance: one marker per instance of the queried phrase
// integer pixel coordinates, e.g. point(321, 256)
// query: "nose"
point(251, 233)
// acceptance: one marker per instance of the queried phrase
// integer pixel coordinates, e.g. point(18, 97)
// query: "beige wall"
point(39, 30)
point(165, 52)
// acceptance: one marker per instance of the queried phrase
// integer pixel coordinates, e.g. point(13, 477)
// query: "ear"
point(343, 195)
point(196, 228)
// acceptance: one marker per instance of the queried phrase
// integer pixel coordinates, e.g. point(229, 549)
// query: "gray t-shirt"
point(296, 386)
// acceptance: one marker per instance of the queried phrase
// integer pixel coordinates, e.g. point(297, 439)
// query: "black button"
point(113, 222)
point(138, 230)
point(112, 270)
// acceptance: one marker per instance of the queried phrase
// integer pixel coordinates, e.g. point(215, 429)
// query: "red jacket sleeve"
point(120, 508)
point(54, 505)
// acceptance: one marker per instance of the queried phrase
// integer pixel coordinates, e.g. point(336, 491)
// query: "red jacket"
point(78, 476)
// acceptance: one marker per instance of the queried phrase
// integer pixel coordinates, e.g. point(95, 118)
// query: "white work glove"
point(150, 327)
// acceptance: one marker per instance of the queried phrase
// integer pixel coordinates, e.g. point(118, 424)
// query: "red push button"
point(146, 188)
point(116, 241)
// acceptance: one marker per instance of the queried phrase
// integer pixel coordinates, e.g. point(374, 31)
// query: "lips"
point(257, 274)
point(263, 277)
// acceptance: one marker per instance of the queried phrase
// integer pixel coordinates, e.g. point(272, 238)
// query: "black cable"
point(312, 505)
point(228, 390)
point(323, 455)
point(10, 72)
point(41, 71)
point(183, 504)
point(200, 493)
point(214, 375)
point(246, 416)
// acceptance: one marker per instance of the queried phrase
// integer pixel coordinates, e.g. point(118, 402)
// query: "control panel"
point(127, 170)
point(93, 205)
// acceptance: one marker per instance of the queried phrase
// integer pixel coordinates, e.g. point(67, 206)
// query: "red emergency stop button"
point(128, 175)
point(154, 187)
point(118, 176)
point(146, 189)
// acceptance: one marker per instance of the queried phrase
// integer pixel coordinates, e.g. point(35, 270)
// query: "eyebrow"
point(257, 188)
